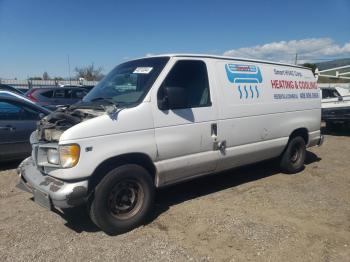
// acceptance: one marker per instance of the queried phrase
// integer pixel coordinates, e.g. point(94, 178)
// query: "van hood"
point(71, 123)
point(115, 122)
point(51, 127)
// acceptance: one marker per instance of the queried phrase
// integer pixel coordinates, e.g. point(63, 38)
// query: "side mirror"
point(174, 97)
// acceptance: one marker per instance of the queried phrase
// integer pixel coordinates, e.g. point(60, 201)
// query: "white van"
point(159, 120)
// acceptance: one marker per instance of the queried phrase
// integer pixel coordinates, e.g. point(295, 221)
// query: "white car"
point(335, 106)
point(159, 120)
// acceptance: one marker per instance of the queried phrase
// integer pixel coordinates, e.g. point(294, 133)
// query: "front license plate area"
point(42, 199)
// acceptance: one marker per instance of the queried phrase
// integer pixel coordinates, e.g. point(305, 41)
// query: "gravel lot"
point(253, 213)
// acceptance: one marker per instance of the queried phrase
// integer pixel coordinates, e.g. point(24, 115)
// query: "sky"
point(38, 36)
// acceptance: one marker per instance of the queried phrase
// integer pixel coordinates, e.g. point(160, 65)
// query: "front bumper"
point(341, 114)
point(320, 141)
point(48, 191)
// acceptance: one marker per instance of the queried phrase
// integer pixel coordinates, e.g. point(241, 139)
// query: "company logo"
point(247, 77)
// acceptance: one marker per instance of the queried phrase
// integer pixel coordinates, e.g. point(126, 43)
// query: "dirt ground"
point(253, 213)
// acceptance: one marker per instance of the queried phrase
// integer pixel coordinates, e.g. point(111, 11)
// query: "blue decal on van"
point(257, 92)
point(240, 91)
point(246, 92)
point(245, 74)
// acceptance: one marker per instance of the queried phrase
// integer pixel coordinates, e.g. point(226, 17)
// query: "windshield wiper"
point(106, 99)
point(92, 105)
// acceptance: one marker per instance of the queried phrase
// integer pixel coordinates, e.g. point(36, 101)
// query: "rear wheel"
point(123, 199)
point(293, 158)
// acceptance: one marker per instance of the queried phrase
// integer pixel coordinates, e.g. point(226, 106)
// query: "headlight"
point(69, 155)
point(52, 156)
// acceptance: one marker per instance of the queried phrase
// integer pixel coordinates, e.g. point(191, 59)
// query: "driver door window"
point(192, 76)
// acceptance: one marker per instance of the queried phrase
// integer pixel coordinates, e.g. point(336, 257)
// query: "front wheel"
point(123, 199)
point(293, 158)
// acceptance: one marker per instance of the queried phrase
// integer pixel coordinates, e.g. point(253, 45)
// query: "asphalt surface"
point(253, 213)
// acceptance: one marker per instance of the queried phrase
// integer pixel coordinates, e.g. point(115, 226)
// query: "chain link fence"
point(27, 84)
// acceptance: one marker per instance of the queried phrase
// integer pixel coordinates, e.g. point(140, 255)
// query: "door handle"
point(217, 145)
point(8, 127)
point(214, 130)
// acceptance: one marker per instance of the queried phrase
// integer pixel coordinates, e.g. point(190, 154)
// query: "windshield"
point(128, 83)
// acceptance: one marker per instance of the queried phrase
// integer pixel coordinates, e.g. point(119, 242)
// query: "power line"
point(296, 59)
point(321, 59)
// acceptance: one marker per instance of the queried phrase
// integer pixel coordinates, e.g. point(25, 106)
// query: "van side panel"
point(260, 106)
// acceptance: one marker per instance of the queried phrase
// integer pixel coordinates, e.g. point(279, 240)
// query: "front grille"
point(336, 113)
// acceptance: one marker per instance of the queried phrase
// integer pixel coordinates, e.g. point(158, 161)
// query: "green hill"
point(333, 63)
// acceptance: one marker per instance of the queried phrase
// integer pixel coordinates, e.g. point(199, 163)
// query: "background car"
point(18, 119)
point(88, 88)
point(51, 97)
point(335, 107)
point(10, 88)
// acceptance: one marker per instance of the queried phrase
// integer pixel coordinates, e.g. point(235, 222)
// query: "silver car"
point(52, 97)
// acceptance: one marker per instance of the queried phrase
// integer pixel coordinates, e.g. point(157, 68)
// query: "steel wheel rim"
point(295, 153)
point(125, 199)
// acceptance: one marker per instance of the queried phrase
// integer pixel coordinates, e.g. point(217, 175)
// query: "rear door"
point(185, 136)
point(61, 96)
point(247, 120)
point(45, 97)
point(17, 122)
point(77, 94)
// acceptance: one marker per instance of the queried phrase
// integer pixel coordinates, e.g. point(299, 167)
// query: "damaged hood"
point(67, 125)
point(51, 127)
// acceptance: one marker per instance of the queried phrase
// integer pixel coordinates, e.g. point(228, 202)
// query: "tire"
point(293, 158)
point(123, 199)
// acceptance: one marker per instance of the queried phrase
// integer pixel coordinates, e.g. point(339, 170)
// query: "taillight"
point(31, 97)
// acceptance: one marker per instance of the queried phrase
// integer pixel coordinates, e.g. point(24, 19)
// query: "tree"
point(310, 65)
point(89, 73)
point(46, 76)
point(35, 78)
point(58, 78)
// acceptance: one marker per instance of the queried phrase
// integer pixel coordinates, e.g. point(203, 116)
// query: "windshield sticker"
point(142, 70)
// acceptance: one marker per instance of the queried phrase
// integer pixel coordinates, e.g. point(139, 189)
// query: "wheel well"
point(300, 132)
point(113, 162)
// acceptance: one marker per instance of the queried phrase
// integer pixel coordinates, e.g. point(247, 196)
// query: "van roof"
point(227, 58)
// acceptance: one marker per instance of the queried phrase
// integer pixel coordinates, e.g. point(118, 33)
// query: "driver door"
point(185, 136)
point(17, 122)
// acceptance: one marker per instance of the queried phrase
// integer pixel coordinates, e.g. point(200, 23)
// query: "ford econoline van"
point(159, 120)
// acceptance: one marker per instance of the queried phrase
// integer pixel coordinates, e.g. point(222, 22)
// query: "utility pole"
point(296, 59)
point(69, 70)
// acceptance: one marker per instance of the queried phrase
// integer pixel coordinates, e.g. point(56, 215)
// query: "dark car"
point(86, 87)
point(51, 97)
point(10, 88)
point(18, 118)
